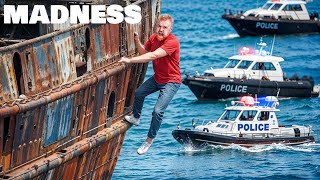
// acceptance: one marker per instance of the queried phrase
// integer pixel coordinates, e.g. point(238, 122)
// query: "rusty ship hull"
point(63, 95)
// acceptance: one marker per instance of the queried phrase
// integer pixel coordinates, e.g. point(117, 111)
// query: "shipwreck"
point(63, 94)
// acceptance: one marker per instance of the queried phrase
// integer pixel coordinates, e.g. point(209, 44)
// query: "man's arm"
point(139, 45)
point(158, 53)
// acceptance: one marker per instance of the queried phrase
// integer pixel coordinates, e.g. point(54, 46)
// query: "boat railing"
point(228, 11)
point(204, 122)
point(260, 135)
point(305, 131)
point(314, 16)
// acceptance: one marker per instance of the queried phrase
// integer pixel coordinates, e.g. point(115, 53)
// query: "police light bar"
point(247, 100)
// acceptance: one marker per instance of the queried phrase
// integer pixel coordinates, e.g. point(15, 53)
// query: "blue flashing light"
point(267, 101)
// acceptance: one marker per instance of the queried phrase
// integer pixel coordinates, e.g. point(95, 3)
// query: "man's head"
point(164, 27)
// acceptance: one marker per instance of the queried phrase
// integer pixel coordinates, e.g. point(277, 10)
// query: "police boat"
point(247, 123)
point(250, 72)
point(275, 17)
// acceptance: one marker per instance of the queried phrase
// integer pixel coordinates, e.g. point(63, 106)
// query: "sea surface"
point(207, 41)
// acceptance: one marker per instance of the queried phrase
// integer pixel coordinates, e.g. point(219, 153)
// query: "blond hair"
point(164, 17)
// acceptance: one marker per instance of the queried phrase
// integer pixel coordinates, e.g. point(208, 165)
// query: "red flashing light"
point(247, 100)
point(246, 51)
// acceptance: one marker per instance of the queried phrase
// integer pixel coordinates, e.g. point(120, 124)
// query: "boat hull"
point(200, 139)
point(252, 26)
point(64, 94)
point(218, 88)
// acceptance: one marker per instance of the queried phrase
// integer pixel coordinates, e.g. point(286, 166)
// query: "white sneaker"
point(132, 120)
point(144, 148)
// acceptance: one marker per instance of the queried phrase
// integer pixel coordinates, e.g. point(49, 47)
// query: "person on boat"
point(263, 116)
point(261, 66)
point(163, 49)
point(242, 118)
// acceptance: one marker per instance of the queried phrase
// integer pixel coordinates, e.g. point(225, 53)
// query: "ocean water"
point(207, 41)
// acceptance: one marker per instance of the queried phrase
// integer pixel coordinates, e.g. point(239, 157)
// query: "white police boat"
point(250, 72)
point(275, 17)
point(247, 123)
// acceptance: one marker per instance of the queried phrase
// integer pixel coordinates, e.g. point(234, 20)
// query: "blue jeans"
point(167, 91)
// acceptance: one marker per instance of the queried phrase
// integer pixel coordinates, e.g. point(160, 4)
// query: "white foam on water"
point(281, 147)
point(309, 147)
point(189, 148)
point(230, 36)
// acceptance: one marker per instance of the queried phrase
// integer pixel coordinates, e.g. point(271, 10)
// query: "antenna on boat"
point(256, 98)
point(194, 123)
point(278, 93)
point(261, 45)
point(274, 38)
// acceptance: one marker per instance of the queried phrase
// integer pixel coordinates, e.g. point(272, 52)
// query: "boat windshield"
point(232, 63)
point(248, 115)
point(293, 7)
point(244, 64)
point(264, 66)
point(266, 6)
point(276, 7)
point(263, 116)
point(230, 115)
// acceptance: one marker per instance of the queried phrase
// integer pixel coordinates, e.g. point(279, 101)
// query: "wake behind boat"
point(250, 72)
point(246, 123)
point(275, 17)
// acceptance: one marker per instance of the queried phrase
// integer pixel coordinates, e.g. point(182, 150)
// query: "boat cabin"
point(251, 64)
point(246, 116)
point(282, 9)
point(252, 118)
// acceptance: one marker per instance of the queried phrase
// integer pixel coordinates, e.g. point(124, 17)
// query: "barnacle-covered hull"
point(63, 95)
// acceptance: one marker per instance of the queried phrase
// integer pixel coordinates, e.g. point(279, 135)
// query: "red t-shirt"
point(166, 69)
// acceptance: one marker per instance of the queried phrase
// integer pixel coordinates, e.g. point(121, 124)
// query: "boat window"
point(88, 41)
point(276, 7)
point(232, 63)
point(263, 116)
point(230, 115)
point(18, 72)
point(264, 66)
point(292, 7)
point(244, 64)
point(208, 74)
point(266, 6)
point(248, 115)
point(224, 126)
point(111, 102)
